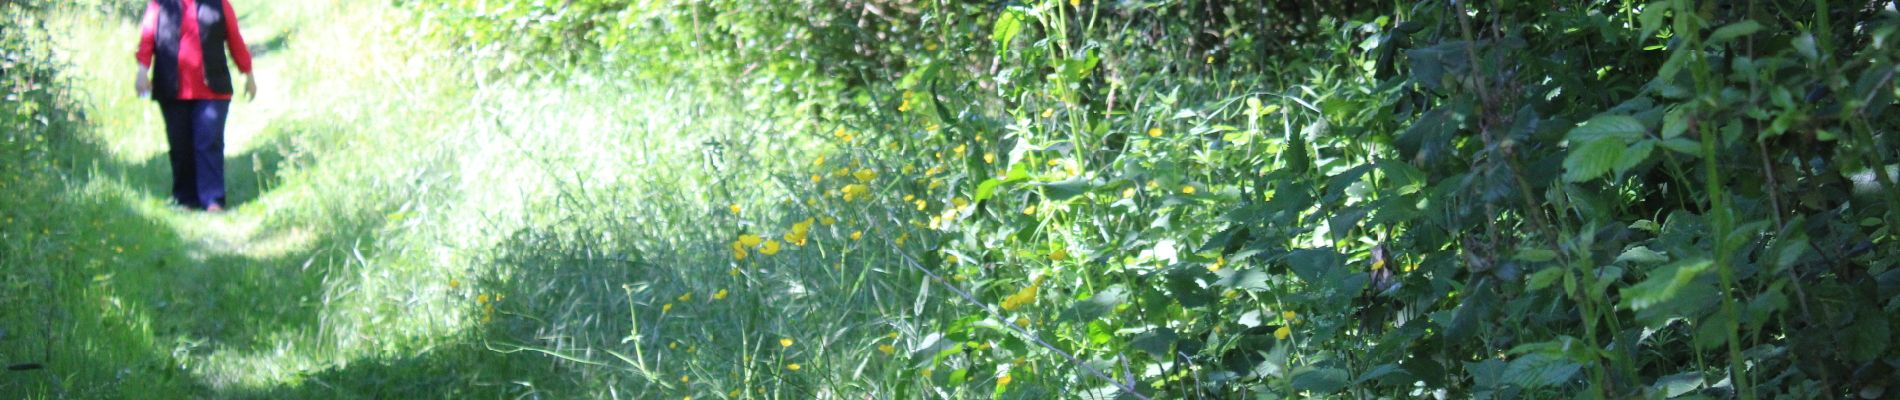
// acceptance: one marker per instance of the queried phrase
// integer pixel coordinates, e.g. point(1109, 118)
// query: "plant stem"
point(1722, 218)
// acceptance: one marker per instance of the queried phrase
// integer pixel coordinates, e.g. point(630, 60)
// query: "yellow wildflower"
point(855, 191)
point(673, 345)
point(785, 342)
point(734, 272)
point(1030, 210)
point(886, 349)
point(855, 235)
point(1187, 189)
point(1282, 333)
point(750, 240)
point(960, 202)
point(769, 248)
point(735, 208)
point(720, 295)
point(1022, 297)
point(1289, 315)
point(820, 162)
point(481, 298)
point(1022, 322)
point(792, 366)
point(1003, 380)
point(795, 238)
point(1059, 255)
point(961, 148)
point(686, 297)
point(668, 307)
point(816, 178)
point(828, 221)
point(1048, 113)
point(865, 175)
point(1154, 132)
point(989, 158)
point(454, 283)
point(1128, 193)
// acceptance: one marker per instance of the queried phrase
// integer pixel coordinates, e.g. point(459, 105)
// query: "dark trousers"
point(196, 131)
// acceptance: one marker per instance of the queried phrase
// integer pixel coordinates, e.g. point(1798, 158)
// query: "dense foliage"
point(1143, 199)
point(1217, 199)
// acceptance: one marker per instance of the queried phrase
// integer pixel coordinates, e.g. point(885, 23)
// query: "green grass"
point(410, 223)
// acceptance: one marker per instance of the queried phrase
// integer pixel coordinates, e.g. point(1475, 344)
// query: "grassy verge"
point(409, 224)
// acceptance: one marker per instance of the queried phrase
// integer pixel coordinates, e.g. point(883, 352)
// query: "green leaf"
point(1734, 30)
point(1543, 278)
point(1712, 331)
point(1622, 127)
point(1675, 122)
point(1380, 371)
point(1320, 380)
point(1535, 255)
point(1096, 306)
point(1317, 266)
point(1788, 251)
point(1634, 155)
point(1662, 285)
point(1642, 255)
point(1156, 342)
point(1540, 370)
point(1679, 384)
point(1244, 279)
point(1654, 17)
point(1017, 173)
point(1068, 189)
point(1684, 146)
point(1007, 27)
point(1593, 159)
point(1100, 333)
point(1079, 68)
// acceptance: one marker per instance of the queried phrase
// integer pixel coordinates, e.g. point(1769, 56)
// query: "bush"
point(1214, 199)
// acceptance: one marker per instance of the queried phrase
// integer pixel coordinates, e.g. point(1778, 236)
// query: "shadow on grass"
point(550, 316)
point(115, 295)
point(248, 175)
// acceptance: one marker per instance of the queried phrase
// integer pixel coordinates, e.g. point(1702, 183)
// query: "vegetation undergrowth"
point(934, 199)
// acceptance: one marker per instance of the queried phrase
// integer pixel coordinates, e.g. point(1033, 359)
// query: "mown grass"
point(412, 223)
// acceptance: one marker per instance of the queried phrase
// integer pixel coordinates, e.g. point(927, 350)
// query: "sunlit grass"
point(398, 205)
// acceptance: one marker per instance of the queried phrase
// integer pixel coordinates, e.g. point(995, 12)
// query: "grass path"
point(411, 224)
point(367, 182)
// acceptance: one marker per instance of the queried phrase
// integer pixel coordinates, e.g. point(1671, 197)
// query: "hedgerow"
point(1192, 199)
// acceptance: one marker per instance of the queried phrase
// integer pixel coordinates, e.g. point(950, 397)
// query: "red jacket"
point(191, 66)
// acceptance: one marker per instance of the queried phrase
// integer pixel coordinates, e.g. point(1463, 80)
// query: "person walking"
point(182, 66)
